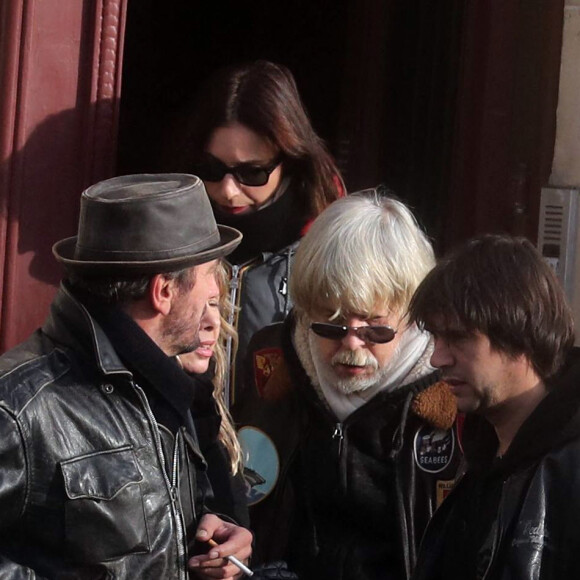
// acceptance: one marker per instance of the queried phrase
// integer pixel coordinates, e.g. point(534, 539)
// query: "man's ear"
point(162, 292)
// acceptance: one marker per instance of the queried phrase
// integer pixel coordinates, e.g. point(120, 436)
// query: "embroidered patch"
point(261, 463)
point(444, 488)
point(265, 361)
point(433, 448)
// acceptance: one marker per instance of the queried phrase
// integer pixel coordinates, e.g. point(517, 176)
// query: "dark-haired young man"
point(503, 340)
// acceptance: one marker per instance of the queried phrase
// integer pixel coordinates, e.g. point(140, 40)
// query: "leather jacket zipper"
point(283, 288)
point(339, 434)
point(175, 497)
point(170, 484)
point(234, 286)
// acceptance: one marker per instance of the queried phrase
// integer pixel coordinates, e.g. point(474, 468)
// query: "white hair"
point(364, 253)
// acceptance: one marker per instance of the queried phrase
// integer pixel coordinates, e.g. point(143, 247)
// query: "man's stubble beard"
point(176, 329)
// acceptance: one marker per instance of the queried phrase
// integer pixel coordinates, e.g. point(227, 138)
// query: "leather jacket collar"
point(69, 323)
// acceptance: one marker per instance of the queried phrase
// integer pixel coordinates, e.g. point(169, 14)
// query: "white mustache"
point(354, 358)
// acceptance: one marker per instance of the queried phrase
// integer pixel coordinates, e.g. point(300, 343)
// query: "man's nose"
point(441, 356)
point(351, 341)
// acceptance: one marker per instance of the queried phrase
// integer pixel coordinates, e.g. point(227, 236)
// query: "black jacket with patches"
point(515, 517)
point(350, 500)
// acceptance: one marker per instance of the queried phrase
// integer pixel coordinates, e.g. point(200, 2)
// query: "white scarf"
point(410, 361)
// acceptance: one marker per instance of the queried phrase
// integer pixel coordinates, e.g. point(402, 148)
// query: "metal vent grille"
point(553, 217)
point(558, 231)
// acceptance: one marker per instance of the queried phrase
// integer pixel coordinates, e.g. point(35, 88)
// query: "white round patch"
point(261, 463)
point(433, 448)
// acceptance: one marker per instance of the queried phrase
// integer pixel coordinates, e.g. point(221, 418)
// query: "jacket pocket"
point(104, 511)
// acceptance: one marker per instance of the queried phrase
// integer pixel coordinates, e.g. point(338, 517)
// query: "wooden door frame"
point(60, 79)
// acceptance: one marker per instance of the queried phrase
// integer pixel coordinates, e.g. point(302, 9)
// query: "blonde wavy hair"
point(227, 433)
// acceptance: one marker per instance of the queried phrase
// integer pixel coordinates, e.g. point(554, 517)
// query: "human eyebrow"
point(449, 334)
point(261, 163)
point(376, 317)
point(213, 270)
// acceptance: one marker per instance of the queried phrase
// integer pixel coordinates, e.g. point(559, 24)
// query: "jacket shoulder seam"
point(38, 388)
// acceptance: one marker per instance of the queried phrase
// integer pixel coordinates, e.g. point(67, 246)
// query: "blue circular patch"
point(433, 448)
point(261, 463)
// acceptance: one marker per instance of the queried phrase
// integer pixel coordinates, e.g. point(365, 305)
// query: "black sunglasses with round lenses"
point(250, 174)
point(377, 334)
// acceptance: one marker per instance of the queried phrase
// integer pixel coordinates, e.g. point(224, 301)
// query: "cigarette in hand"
point(233, 560)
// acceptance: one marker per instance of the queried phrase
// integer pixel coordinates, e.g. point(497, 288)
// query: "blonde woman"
point(209, 361)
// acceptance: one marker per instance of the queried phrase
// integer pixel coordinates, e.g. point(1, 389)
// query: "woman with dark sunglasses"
point(268, 174)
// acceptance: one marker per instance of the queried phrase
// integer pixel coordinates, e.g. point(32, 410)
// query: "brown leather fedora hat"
point(147, 223)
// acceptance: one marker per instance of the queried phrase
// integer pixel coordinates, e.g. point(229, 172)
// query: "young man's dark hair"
point(501, 287)
point(503, 337)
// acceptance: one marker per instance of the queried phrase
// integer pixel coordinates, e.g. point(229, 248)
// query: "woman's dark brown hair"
point(501, 287)
point(263, 97)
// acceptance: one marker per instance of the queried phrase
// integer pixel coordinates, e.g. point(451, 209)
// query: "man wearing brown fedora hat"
point(101, 473)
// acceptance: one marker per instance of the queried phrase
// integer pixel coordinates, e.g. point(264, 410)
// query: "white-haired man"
point(349, 434)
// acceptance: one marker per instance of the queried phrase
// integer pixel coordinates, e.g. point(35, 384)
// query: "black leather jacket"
point(90, 485)
point(349, 499)
point(531, 528)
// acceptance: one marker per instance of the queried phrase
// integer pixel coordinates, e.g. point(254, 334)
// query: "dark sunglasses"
point(378, 334)
point(245, 173)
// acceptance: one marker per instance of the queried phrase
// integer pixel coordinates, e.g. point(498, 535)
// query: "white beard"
point(327, 374)
point(409, 362)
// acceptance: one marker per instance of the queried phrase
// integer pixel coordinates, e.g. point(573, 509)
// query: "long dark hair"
point(263, 97)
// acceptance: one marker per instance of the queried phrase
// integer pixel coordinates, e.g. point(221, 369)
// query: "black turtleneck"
point(177, 400)
point(172, 394)
point(269, 229)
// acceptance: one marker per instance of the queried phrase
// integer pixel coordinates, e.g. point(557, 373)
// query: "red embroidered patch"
point(265, 361)
point(444, 488)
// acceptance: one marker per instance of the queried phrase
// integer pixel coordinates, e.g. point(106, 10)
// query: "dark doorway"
point(378, 78)
point(450, 103)
point(170, 48)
